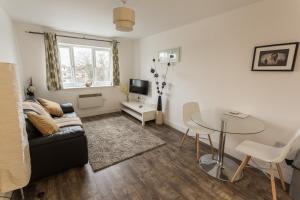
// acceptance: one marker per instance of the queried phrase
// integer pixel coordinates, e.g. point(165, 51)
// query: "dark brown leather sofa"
point(58, 152)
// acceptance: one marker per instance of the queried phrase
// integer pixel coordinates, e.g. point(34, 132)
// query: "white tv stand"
point(141, 111)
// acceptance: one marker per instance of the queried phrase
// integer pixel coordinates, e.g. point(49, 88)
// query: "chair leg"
point(197, 146)
point(241, 167)
point(281, 176)
point(184, 136)
point(211, 147)
point(273, 186)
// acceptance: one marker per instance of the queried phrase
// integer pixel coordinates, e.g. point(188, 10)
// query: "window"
point(81, 64)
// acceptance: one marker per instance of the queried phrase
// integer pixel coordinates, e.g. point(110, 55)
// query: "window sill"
point(92, 87)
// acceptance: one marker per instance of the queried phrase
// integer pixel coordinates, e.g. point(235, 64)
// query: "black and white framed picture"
point(277, 57)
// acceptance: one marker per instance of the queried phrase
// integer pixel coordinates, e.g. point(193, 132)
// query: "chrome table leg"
point(223, 168)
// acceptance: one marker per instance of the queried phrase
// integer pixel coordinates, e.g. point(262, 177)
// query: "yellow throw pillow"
point(52, 107)
point(46, 125)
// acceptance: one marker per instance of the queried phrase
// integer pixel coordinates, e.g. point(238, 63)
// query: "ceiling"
point(95, 16)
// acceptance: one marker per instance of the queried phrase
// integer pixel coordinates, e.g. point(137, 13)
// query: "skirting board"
point(231, 151)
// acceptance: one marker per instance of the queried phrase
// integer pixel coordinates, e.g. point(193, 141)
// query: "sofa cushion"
point(32, 132)
point(52, 107)
point(46, 125)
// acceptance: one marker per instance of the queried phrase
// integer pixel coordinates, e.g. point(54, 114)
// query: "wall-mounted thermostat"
point(169, 55)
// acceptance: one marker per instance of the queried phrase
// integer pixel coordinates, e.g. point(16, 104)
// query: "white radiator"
point(90, 101)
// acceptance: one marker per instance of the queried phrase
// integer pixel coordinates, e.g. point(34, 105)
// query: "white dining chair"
point(270, 154)
point(188, 110)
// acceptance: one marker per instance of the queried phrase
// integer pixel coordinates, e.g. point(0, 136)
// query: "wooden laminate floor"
point(163, 173)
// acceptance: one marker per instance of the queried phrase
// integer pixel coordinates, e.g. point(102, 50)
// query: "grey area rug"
point(114, 138)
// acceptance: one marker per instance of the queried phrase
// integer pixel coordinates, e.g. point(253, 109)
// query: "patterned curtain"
point(52, 62)
point(116, 68)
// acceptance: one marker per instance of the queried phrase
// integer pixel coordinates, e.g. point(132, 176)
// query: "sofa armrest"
point(64, 133)
point(51, 158)
point(67, 107)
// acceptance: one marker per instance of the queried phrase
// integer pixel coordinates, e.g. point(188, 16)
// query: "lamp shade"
point(15, 168)
point(124, 19)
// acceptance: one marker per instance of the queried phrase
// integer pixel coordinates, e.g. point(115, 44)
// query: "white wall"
point(216, 68)
point(8, 46)
point(33, 57)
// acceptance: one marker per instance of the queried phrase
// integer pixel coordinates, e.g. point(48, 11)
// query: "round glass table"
point(223, 168)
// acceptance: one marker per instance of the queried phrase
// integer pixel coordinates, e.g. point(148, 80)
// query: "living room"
point(178, 100)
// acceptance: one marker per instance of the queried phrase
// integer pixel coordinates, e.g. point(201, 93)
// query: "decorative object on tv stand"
point(125, 90)
point(160, 86)
point(277, 57)
point(30, 89)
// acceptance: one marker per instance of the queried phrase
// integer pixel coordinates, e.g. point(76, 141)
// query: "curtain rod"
point(74, 37)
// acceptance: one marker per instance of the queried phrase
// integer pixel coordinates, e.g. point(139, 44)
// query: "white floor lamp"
point(15, 167)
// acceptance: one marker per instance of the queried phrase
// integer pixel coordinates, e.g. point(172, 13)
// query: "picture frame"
point(276, 57)
point(169, 55)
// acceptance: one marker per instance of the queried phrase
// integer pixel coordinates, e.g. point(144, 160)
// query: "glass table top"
point(212, 120)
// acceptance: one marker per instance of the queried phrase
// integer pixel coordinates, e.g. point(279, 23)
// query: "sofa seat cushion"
point(68, 121)
point(70, 115)
point(64, 133)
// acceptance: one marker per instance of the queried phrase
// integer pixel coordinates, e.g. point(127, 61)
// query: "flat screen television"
point(138, 86)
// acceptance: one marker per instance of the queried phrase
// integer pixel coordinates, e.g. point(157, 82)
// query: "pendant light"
point(124, 18)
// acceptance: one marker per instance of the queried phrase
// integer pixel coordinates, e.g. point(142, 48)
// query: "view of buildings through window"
point(81, 64)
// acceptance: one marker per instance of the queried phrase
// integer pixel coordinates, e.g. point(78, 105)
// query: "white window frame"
point(75, 84)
